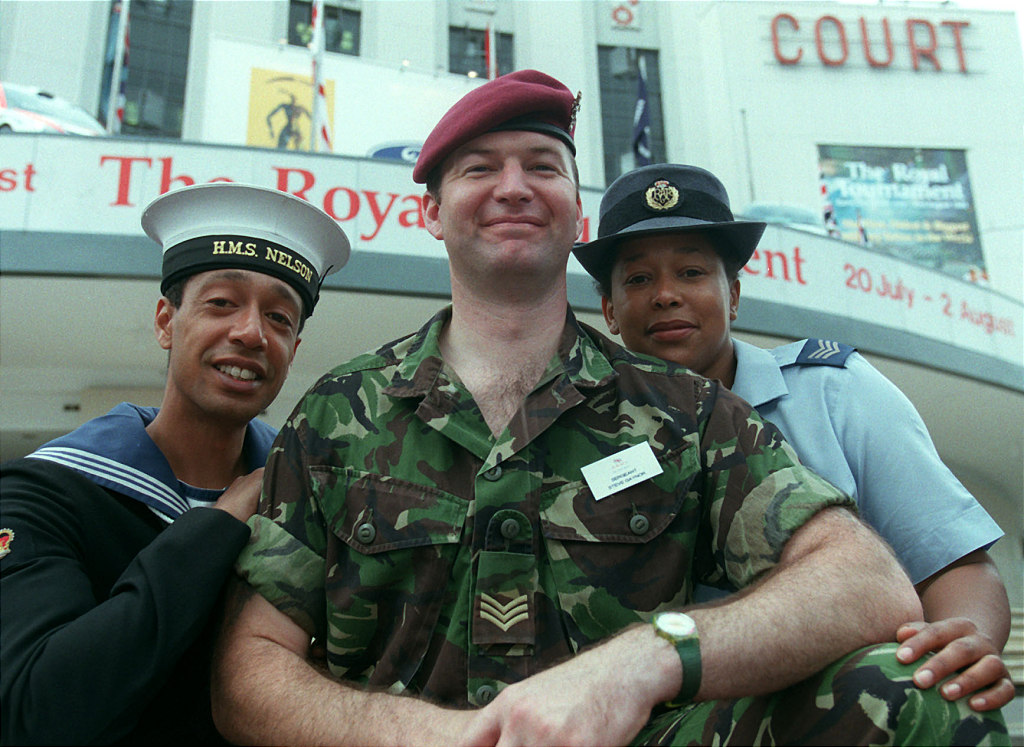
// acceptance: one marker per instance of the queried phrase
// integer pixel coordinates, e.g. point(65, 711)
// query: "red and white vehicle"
point(31, 109)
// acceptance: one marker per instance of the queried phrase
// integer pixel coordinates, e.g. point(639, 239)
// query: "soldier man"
point(121, 534)
point(492, 527)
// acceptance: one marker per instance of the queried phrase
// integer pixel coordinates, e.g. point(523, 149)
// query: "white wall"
point(716, 60)
point(55, 44)
point(791, 109)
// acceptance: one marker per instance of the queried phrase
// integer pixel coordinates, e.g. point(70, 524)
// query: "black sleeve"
point(98, 604)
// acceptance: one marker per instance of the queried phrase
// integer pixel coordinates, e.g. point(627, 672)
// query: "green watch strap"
point(688, 648)
point(689, 655)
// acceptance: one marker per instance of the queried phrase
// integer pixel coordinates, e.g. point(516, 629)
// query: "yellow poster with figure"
point(281, 109)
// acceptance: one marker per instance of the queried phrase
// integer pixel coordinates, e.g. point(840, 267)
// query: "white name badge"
point(619, 471)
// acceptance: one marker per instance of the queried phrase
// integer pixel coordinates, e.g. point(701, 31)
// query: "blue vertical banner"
point(641, 118)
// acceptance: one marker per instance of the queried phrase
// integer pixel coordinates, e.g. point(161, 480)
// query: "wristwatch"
point(680, 630)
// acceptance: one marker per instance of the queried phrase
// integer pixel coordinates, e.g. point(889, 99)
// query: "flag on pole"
point(862, 234)
point(490, 53)
point(321, 135)
point(642, 119)
point(828, 215)
point(119, 73)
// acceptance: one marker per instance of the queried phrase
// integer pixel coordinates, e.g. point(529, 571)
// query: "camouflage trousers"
point(864, 698)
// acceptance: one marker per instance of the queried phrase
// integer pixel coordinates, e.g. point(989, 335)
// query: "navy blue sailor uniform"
point(108, 577)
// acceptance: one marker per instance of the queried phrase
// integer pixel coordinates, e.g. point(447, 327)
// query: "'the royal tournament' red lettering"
point(925, 41)
point(341, 203)
point(776, 265)
point(9, 180)
point(126, 164)
point(344, 203)
point(124, 175)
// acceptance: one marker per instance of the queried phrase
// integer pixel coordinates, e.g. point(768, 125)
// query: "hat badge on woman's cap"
point(228, 225)
point(667, 198)
point(662, 195)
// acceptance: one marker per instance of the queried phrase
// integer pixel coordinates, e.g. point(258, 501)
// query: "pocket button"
point(366, 533)
point(639, 524)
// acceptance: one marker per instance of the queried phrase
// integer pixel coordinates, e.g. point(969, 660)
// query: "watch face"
point(676, 624)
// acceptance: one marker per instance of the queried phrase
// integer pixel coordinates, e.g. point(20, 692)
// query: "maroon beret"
point(523, 100)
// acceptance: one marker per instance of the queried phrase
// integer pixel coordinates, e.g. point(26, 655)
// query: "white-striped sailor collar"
point(115, 452)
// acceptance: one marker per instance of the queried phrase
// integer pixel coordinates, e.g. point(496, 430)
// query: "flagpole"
point(746, 149)
point(320, 137)
point(491, 53)
point(115, 105)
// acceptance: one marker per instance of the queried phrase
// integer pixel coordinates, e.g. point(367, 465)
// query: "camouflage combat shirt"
point(435, 559)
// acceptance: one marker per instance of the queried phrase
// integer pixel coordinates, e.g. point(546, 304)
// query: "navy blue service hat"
point(524, 100)
point(667, 198)
point(224, 224)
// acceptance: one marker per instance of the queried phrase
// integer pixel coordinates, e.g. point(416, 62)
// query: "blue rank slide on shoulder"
point(824, 353)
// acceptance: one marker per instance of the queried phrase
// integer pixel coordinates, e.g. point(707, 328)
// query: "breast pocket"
point(616, 560)
point(388, 571)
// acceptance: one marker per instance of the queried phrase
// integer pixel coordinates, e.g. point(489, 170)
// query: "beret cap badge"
point(661, 196)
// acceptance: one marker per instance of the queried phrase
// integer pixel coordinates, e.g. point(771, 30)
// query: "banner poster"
point(72, 206)
point(911, 203)
point(281, 110)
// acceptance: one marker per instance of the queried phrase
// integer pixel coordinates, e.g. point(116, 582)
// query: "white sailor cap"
point(225, 224)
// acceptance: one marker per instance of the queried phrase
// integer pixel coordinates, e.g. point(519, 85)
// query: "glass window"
point(467, 51)
point(341, 27)
point(619, 73)
point(154, 79)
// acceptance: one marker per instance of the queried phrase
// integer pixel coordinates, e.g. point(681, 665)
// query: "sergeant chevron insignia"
point(505, 615)
point(826, 349)
point(824, 352)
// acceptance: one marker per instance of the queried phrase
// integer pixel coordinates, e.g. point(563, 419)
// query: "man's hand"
point(242, 495)
point(959, 646)
point(603, 696)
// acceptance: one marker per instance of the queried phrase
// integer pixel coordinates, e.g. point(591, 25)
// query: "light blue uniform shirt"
point(856, 429)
